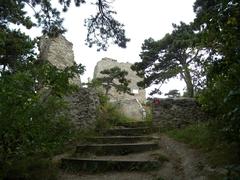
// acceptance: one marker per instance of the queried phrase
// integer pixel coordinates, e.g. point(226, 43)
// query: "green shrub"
point(36, 168)
point(221, 100)
point(33, 114)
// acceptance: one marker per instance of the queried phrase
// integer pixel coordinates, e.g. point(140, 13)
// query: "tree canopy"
point(101, 27)
point(175, 54)
point(172, 93)
point(219, 24)
point(114, 78)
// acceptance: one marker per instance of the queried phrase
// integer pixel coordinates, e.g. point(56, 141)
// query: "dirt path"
point(184, 164)
point(187, 163)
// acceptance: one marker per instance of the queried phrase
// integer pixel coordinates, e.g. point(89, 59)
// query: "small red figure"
point(156, 101)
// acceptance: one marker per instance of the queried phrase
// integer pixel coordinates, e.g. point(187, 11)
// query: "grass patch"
point(110, 116)
point(159, 157)
point(197, 135)
point(203, 137)
point(149, 115)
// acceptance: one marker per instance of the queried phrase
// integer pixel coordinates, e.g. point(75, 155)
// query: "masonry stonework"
point(83, 106)
point(176, 112)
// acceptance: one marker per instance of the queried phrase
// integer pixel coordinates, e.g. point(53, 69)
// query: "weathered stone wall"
point(83, 108)
point(107, 63)
point(176, 113)
point(58, 51)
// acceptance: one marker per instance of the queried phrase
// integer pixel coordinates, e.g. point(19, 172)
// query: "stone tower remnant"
point(59, 52)
point(83, 104)
point(130, 105)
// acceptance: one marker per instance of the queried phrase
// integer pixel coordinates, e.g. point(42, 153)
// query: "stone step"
point(115, 149)
point(120, 139)
point(102, 164)
point(129, 131)
point(135, 124)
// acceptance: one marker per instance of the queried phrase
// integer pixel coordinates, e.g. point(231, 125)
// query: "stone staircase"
point(126, 147)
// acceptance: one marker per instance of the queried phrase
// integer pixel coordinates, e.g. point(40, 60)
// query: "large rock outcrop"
point(107, 63)
point(130, 105)
point(132, 109)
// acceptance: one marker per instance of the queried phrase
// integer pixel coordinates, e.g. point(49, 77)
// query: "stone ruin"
point(59, 52)
point(83, 104)
point(130, 105)
point(167, 113)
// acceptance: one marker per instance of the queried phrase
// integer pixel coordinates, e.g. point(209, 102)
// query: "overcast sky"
point(142, 19)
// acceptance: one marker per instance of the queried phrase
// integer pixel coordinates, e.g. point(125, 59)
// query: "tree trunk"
point(106, 92)
point(4, 67)
point(188, 81)
point(108, 87)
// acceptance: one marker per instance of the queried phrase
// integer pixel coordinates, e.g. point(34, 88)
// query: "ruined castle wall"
point(175, 113)
point(107, 63)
